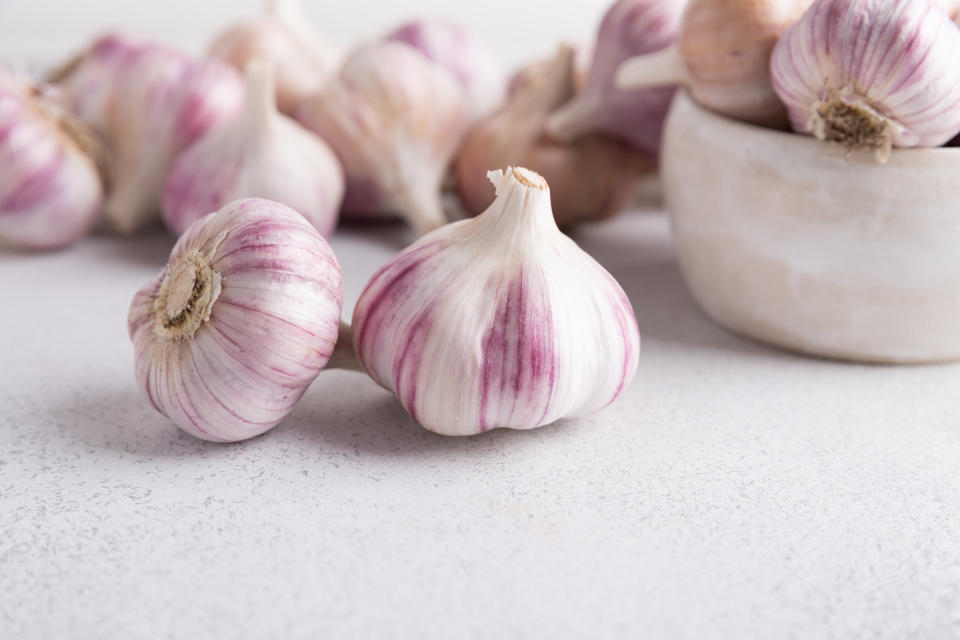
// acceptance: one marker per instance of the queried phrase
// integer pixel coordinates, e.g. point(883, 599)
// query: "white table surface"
point(734, 491)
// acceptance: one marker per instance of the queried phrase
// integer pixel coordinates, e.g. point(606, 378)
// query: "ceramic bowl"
point(800, 244)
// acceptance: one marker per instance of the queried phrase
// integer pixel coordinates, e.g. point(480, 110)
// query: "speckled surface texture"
point(733, 492)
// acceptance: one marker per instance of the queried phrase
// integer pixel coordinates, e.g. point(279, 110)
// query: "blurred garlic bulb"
point(395, 120)
point(630, 28)
point(593, 177)
point(872, 74)
point(260, 154)
point(303, 60)
point(239, 322)
point(723, 57)
point(475, 65)
point(498, 321)
point(156, 103)
point(50, 187)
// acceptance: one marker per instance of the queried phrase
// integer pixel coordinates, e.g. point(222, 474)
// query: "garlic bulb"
point(50, 187)
point(630, 27)
point(262, 154)
point(239, 322)
point(723, 57)
point(593, 177)
point(395, 120)
point(498, 321)
point(303, 60)
point(475, 65)
point(153, 103)
point(872, 73)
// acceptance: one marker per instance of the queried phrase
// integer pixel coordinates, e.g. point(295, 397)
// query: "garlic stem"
point(573, 119)
point(525, 214)
point(664, 67)
point(260, 101)
point(420, 207)
point(344, 357)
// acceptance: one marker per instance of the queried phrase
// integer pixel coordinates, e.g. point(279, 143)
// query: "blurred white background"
point(45, 31)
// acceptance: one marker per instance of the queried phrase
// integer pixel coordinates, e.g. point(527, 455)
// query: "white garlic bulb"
point(303, 60)
point(498, 321)
point(872, 73)
point(50, 188)
point(260, 154)
point(239, 322)
point(394, 119)
point(475, 65)
point(150, 104)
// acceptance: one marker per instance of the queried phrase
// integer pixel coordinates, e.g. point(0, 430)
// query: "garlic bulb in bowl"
point(261, 154)
point(239, 322)
point(50, 187)
point(303, 60)
point(722, 56)
point(805, 246)
point(872, 74)
point(395, 120)
point(498, 321)
point(475, 65)
point(630, 28)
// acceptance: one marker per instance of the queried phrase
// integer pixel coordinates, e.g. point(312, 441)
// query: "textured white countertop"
point(734, 491)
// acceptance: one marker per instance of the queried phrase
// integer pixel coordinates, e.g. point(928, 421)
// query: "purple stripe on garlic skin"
point(240, 321)
point(630, 28)
point(50, 188)
point(499, 321)
point(475, 65)
point(395, 120)
point(872, 73)
point(260, 154)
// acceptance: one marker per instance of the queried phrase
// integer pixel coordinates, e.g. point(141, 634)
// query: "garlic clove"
point(304, 61)
point(474, 64)
point(51, 191)
point(594, 177)
point(497, 321)
point(870, 74)
point(723, 57)
point(260, 154)
point(395, 120)
point(153, 103)
point(241, 320)
point(630, 28)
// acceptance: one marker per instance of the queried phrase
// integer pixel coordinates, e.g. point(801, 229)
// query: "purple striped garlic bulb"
point(240, 321)
point(50, 187)
point(630, 28)
point(872, 74)
point(152, 104)
point(395, 120)
point(261, 154)
point(303, 59)
point(497, 321)
point(475, 65)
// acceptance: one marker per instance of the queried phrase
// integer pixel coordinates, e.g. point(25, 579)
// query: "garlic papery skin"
point(302, 58)
point(872, 74)
point(240, 321)
point(593, 177)
point(50, 188)
point(261, 154)
point(395, 120)
point(475, 65)
point(723, 57)
point(630, 28)
point(154, 102)
point(497, 321)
